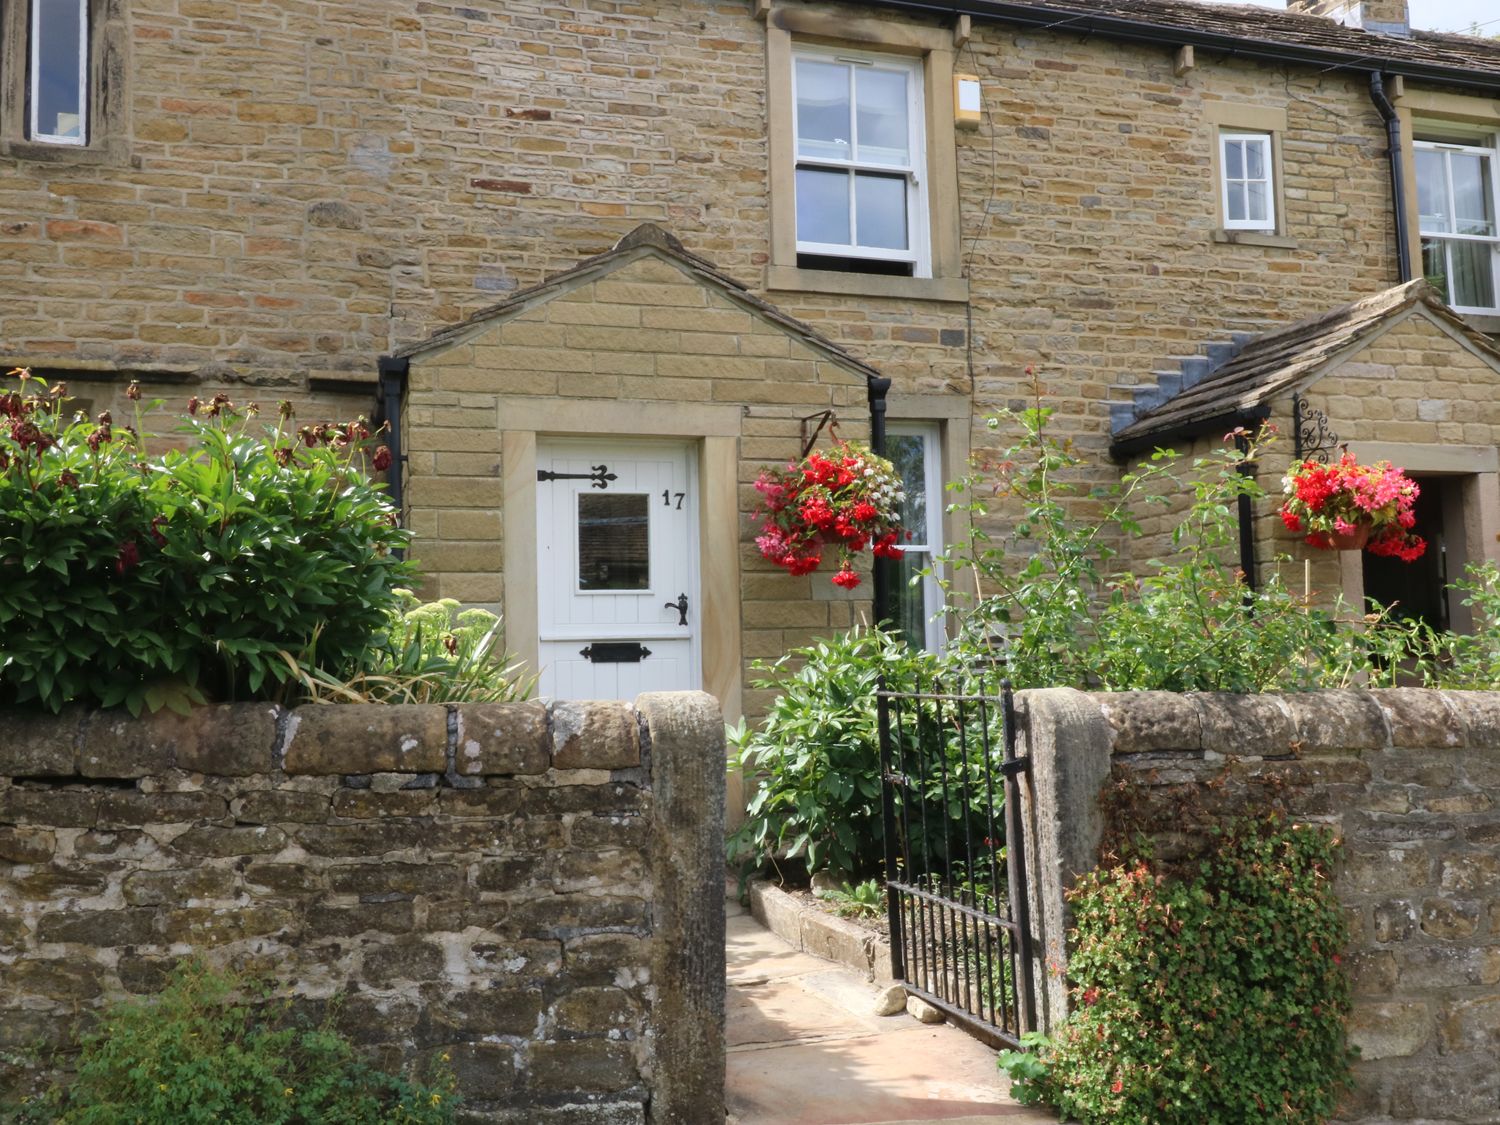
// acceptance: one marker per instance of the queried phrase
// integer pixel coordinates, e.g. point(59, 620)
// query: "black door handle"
point(680, 605)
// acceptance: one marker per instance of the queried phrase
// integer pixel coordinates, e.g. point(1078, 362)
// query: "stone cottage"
point(653, 246)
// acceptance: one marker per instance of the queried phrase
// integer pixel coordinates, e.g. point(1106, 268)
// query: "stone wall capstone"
point(531, 889)
point(1408, 780)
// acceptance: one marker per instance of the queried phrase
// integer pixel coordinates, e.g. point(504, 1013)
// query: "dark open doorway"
point(1419, 590)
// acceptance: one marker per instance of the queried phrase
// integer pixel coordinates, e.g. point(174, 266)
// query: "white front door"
point(617, 566)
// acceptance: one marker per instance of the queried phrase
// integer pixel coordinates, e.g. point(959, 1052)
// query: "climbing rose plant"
point(847, 500)
point(1341, 498)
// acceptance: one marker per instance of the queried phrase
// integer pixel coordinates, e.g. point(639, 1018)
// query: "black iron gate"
point(955, 856)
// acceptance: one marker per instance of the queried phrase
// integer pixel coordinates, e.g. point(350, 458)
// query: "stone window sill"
point(793, 280)
point(112, 151)
point(1487, 324)
point(1255, 238)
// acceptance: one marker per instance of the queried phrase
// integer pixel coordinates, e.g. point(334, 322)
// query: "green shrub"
point(1070, 616)
point(816, 756)
point(816, 761)
point(429, 652)
point(150, 580)
point(858, 900)
point(1214, 998)
point(214, 1047)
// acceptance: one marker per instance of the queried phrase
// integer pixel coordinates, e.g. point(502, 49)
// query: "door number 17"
point(666, 498)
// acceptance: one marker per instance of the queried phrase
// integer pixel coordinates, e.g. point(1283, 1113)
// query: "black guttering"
point(1249, 417)
point(1398, 179)
point(1173, 35)
point(389, 397)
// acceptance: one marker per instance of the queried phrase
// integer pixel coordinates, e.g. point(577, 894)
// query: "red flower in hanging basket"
point(847, 499)
point(1346, 506)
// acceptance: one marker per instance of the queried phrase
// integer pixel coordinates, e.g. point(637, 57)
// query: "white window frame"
point(931, 433)
point(1268, 155)
point(1490, 153)
point(34, 40)
point(918, 251)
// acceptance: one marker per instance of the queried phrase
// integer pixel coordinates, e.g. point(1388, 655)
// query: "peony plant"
point(847, 499)
point(143, 579)
point(1350, 500)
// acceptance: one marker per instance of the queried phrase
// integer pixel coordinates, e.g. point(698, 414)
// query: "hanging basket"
point(1355, 540)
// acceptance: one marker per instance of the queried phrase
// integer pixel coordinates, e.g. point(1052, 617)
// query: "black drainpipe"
point(1398, 180)
point(877, 387)
point(1247, 518)
point(390, 395)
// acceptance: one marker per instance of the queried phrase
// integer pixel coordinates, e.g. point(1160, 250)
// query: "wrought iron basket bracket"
point(1312, 440)
point(827, 418)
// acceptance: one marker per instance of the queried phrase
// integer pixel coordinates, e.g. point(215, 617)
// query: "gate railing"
point(955, 856)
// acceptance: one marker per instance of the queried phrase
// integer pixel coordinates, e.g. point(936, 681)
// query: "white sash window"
point(860, 183)
point(1249, 186)
point(1457, 207)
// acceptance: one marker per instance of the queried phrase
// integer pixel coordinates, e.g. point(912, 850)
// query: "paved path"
point(806, 1049)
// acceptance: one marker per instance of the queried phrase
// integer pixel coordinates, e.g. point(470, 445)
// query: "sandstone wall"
point(303, 186)
point(533, 890)
point(1405, 777)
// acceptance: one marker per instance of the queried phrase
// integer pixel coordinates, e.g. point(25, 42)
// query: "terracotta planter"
point(1353, 541)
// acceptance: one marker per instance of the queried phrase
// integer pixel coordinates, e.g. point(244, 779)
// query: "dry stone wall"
point(533, 890)
point(1408, 779)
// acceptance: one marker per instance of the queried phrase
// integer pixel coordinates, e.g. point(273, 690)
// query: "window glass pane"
point(1472, 282)
point(57, 68)
point(911, 600)
point(613, 542)
point(1255, 160)
point(1435, 266)
point(1256, 200)
point(822, 206)
point(908, 453)
point(881, 101)
point(1473, 195)
point(1432, 191)
point(880, 211)
point(1234, 160)
point(1236, 202)
point(823, 110)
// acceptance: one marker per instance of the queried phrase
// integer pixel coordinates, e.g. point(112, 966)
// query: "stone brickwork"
point(309, 186)
point(651, 335)
point(1406, 777)
point(533, 890)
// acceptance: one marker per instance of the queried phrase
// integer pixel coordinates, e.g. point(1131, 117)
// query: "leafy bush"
point(149, 580)
point(1218, 997)
point(214, 1047)
point(816, 759)
point(818, 756)
point(430, 652)
point(1068, 615)
point(859, 900)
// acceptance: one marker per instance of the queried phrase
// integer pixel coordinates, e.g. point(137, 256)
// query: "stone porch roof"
point(1278, 363)
point(646, 239)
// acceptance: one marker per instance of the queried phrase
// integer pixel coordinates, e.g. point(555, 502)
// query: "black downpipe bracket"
point(1398, 178)
point(884, 569)
point(391, 392)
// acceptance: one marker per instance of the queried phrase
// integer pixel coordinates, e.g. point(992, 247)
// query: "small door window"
point(614, 542)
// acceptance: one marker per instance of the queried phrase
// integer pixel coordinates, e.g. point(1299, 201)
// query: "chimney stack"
point(1387, 17)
